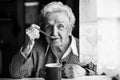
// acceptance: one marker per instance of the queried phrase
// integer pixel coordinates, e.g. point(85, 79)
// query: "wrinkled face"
point(58, 28)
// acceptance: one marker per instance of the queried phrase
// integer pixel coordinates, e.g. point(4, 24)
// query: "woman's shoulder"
point(77, 43)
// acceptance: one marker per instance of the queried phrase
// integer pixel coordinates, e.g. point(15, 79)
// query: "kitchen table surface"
point(78, 78)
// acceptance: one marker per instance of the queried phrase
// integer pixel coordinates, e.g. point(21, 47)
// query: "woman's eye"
point(60, 26)
point(48, 27)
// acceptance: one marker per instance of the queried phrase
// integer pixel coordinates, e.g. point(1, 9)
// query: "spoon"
point(42, 31)
point(45, 33)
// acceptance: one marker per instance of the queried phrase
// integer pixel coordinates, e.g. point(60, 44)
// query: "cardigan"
point(34, 65)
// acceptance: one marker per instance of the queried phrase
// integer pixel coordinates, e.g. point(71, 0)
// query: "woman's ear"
point(70, 31)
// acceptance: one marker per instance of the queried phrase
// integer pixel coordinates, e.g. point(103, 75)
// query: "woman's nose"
point(54, 31)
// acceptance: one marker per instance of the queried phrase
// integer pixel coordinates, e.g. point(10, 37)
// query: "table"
point(78, 78)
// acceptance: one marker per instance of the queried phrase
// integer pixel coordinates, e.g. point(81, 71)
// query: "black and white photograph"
point(59, 40)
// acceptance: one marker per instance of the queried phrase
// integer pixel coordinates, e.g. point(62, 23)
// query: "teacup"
point(53, 71)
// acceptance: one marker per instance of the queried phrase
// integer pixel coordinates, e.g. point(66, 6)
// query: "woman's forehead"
point(58, 17)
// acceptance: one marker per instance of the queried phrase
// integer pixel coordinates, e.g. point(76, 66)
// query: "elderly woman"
point(57, 21)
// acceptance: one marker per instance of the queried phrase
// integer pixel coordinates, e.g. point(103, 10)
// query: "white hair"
point(59, 7)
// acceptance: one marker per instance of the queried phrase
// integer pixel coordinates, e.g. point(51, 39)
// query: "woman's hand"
point(72, 71)
point(32, 33)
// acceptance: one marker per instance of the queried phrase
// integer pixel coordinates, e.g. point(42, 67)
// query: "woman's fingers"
point(35, 26)
point(73, 70)
point(33, 32)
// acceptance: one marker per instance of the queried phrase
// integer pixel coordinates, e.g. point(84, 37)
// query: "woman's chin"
point(55, 44)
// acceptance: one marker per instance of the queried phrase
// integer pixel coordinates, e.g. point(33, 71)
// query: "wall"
point(11, 31)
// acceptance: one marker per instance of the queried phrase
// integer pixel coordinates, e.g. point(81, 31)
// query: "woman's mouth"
point(54, 38)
